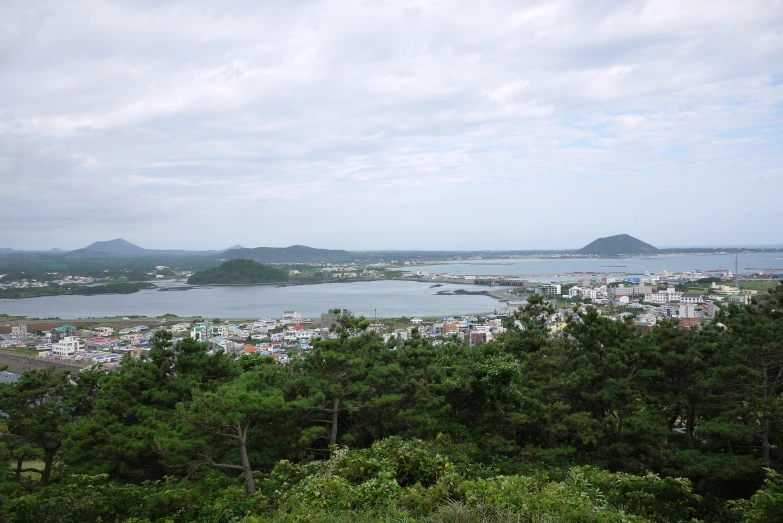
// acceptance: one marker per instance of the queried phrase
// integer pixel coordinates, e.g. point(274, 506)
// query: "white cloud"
point(226, 116)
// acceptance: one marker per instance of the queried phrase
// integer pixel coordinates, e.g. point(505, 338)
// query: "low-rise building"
point(59, 333)
point(687, 310)
point(549, 289)
point(691, 298)
point(65, 347)
point(19, 331)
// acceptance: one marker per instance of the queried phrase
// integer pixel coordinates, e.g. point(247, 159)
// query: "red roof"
point(300, 328)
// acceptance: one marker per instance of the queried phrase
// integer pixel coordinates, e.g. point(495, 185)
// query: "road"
point(505, 295)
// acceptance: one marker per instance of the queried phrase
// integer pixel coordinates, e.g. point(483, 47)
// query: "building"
point(742, 299)
point(449, 327)
point(687, 310)
point(691, 298)
point(687, 323)
point(291, 318)
point(479, 338)
point(19, 331)
point(667, 296)
point(589, 293)
point(199, 332)
point(506, 311)
point(65, 347)
point(59, 333)
point(548, 289)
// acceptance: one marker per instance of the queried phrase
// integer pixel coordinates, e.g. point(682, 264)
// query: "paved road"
point(505, 295)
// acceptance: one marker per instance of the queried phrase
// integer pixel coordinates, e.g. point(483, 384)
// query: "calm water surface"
point(387, 298)
point(550, 269)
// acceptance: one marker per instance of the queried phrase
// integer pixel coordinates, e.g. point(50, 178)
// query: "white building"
point(550, 288)
point(505, 312)
point(180, 327)
point(65, 347)
point(667, 296)
point(292, 317)
point(691, 298)
point(589, 293)
point(687, 310)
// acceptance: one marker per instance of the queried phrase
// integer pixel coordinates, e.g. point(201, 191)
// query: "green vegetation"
point(80, 290)
point(761, 286)
point(292, 254)
point(600, 422)
point(621, 244)
point(241, 272)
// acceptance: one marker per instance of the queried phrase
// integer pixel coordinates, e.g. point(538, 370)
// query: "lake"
point(384, 298)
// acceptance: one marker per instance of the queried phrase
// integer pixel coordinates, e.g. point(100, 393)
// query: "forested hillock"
point(239, 272)
point(621, 244)
point(291, 254)
point(598, 422)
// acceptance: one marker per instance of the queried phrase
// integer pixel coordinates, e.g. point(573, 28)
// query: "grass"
point(29, 464)
point(761, 286)
point(24, 352)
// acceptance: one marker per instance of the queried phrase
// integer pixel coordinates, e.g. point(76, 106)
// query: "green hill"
point(292, 254)
point(239, 272)
point(617, 245)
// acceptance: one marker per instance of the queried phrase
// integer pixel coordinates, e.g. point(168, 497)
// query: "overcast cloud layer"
point(390, 125)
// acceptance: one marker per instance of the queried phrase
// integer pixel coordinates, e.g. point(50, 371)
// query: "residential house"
point(59, 333)
point(65, 347)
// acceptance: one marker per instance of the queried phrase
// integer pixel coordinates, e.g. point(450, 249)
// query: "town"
point(690, 298)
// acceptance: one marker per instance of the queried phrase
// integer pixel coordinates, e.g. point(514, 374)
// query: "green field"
point(761, 286)
point(29, 464)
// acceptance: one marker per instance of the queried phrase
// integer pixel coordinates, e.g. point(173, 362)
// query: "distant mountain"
point(239, 272)
point(7, 250)
point(292, 254)
point(617, 245)
point(87, 253)
point(234, 247)
point(116, 247)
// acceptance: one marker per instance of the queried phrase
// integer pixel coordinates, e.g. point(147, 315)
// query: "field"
point(29, 464)
point(761, 286)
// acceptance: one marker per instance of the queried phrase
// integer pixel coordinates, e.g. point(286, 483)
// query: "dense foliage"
point(239, 272)
point(599, 422)
point(80, 290)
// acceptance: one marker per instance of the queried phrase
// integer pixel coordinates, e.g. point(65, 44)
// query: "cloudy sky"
point(390, 124)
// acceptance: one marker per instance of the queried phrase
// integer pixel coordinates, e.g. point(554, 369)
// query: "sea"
point(371, 299)
point(560, 269)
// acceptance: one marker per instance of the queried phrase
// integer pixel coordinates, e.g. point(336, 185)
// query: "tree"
point(338, 377)
point(215, 420)
point(749, 377)
point(136, 401)
point(39, 406)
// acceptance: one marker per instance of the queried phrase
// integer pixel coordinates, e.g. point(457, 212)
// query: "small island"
point(239, 272)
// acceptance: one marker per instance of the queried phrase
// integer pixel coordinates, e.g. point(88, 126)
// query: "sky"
point(390, 124)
